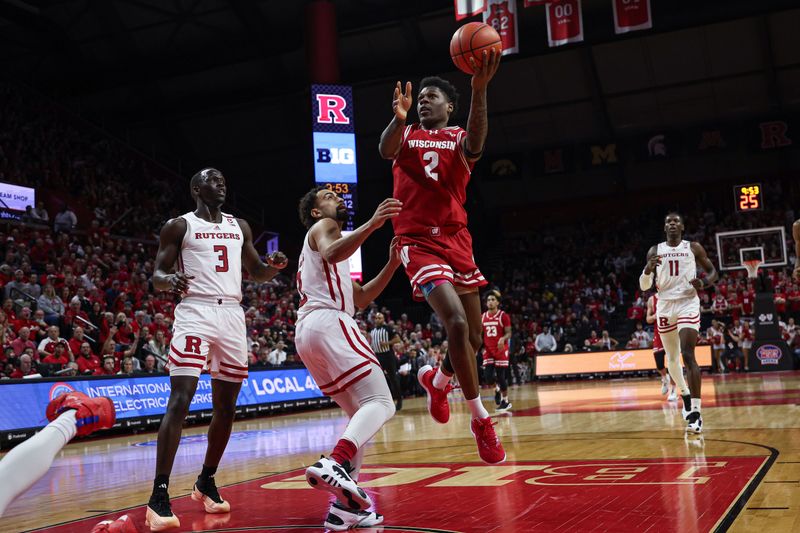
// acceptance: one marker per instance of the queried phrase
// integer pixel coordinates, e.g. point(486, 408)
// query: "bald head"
point(201, 177)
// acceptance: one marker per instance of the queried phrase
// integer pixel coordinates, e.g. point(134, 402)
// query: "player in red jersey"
point(496, 334)
point(667, 384)
point(209, 248)
point(431, 167)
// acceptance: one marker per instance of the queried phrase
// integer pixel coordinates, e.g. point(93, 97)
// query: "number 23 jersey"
point(431, 173)
point(212, 253)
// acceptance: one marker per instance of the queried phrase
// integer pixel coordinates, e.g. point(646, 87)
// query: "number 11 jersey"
point(431, 173)
point(212, 253)
point(676, 271)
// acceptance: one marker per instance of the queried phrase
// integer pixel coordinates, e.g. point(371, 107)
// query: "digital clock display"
point(748, 197)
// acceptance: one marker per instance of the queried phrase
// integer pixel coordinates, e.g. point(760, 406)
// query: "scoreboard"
point(334, 150)
point(748, 197)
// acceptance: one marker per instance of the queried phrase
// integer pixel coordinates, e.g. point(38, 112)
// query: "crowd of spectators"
point(84, 174)
point(78, 301)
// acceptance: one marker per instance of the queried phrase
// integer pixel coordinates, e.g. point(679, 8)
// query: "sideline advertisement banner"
point(606, 362)
point(22, 404)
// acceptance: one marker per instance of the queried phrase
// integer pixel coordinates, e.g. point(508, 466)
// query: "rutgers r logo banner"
point(332, 108)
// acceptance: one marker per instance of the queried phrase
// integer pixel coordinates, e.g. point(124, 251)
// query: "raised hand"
point(401, 102)
point(481, 74)
point(387, 209)
point(277, 260)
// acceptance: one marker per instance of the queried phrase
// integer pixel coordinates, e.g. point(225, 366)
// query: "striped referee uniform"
point(379, 336)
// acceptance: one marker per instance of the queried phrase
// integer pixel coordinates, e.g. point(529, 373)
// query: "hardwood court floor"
point(582, 456)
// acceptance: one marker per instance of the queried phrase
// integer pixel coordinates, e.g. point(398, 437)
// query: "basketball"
point(470, 40)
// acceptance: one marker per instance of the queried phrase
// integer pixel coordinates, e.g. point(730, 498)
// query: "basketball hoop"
point(752, 267)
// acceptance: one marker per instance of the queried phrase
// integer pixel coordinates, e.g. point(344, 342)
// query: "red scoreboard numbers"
point(748, 197)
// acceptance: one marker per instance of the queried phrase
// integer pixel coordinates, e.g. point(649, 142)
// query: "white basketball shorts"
point(209, 335)
point(675, 315)
point(334, 351)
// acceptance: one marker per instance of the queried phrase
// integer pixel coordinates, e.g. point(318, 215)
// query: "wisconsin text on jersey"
point(444, 145)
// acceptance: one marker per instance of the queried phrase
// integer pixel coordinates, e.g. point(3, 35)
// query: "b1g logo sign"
point(336, 156)
point(769, 354)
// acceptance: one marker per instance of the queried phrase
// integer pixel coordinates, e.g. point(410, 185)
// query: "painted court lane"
point(615, 495)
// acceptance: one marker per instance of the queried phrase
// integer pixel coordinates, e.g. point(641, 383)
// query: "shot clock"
point(748, 197)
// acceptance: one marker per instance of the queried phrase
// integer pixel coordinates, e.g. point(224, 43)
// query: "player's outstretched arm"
point(478, 121)
point(701, 258)
point(164, 276)
point(259, 270)
point(334, 248)
point(363, 295)
point(392, 136)
point(653, 260)
point(796, 235)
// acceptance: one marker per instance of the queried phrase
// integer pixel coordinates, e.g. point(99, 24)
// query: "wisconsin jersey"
point(323, 285)
point(494, 327)
point(431, 174)
point(212, 253)
point(677, 269)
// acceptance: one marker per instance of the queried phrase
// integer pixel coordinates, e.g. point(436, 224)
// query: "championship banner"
point(502, 16)
point(632, 15)
point(468, 8)
point(564, 23)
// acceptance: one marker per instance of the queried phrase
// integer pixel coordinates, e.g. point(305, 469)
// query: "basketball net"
point(752, 267)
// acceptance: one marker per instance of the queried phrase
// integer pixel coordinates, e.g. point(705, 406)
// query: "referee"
point(382, 339)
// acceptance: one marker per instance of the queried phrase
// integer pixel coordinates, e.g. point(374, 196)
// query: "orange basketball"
point(470, 40)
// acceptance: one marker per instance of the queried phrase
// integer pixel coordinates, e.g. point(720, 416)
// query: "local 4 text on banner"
point(468, 8)
point(564, 22)
point(502, 16)
point(632, 15)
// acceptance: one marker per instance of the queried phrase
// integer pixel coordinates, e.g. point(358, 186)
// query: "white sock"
point(505, 398)
point(497, 388)
point(440, 380)
point(25, 464)
point(477, 409)
point(696, 404)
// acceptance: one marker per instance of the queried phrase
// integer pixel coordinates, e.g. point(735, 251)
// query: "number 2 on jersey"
point(223, 258)
point(433, 157)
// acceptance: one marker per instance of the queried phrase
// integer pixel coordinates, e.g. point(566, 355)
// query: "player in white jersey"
point(209, 248)
point(331, 346)
point(674, 263)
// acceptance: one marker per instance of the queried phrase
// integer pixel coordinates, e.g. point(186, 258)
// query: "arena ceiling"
point(225, 82)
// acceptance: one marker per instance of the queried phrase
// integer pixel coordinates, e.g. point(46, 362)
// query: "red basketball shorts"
point(657, 345)
point(497, 357)
point(440, 257)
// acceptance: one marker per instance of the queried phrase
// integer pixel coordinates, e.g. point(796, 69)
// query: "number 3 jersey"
point(431, 173)
point(212, 253)
point(676, 271)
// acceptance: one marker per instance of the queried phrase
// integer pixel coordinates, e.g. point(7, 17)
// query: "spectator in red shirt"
point(74, 311)
point(22, 341)
point(780, 300)
point(24, 320)
point(107, 368)
point(593, 342)
point(48, 344)
point(88, 363)
point(25, 368)
point(59, 356)
point(77, 340)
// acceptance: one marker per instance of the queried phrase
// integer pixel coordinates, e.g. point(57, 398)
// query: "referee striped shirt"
point(379, 337)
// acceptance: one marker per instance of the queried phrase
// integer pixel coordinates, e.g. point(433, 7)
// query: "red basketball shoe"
point(123, 524)
point(437, 398)
point(92, 414)
point(489, 447)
